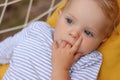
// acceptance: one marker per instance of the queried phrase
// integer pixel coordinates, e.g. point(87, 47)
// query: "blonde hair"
point(110, 9)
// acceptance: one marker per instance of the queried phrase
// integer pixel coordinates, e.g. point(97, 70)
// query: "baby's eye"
point(69, 21)
point(88, 33)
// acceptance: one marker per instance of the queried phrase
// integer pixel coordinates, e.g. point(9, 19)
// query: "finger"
point(76, 46)
point(68, 46)
point(58, 43)
point(63, 44)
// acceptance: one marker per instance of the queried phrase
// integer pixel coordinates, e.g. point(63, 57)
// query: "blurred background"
point(15, 14)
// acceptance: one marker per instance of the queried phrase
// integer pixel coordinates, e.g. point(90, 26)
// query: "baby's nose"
point(75, 34)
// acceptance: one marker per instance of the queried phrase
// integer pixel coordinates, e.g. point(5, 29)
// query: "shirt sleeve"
point(7, 46)
point(31, 58)
point(87, 68)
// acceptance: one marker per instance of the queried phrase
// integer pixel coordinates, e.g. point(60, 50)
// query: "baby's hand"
point(64, 55)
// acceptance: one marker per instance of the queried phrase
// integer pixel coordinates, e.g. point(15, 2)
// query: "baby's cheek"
point(85, 50)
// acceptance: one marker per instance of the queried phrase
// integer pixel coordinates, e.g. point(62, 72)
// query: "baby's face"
point(83, 18)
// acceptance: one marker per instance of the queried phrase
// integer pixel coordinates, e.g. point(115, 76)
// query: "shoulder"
point(92, 59)
point(39, 25)
point(37, 38)
point(40, 28)
point(40, 31)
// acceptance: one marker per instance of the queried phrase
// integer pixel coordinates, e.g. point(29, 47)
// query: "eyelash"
point(69, 21)
point(88, 33)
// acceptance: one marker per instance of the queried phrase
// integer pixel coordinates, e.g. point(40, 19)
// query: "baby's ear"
point(104, 39)
point(60, 12)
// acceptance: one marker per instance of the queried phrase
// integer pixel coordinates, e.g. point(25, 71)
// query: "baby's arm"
point(63, 57)
point(7, 45)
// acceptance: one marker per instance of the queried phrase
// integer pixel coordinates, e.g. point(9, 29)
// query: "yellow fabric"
point(52, 20)
point(2, 70)
point(110, 69)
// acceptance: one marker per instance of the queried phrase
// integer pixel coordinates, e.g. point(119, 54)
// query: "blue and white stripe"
point(30, 56)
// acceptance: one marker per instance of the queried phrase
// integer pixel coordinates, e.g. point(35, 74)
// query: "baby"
point(67, 52)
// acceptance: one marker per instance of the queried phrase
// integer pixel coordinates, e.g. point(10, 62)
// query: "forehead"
point(87, 12)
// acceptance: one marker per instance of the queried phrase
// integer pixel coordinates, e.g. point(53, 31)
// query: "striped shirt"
point(29, 54)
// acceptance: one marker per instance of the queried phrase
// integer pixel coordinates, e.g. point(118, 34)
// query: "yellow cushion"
point(2, 70)
point(110, 69)
point(53, 18)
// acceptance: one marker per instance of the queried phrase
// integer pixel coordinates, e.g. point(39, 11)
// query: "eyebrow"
point(72, 16)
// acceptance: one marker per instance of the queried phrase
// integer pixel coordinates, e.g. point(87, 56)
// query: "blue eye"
point(69, 21)
point(88, 33)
